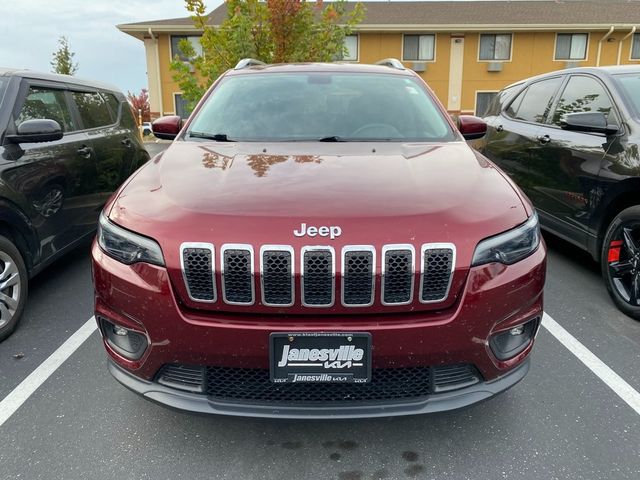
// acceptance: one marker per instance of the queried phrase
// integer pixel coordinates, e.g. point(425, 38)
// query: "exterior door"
point(112, 144)
point(51, 180)
point(514, 135)
point(569, 162)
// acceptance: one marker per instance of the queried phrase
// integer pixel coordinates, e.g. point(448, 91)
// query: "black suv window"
point(46, 103)
point(93, 109)
point(114, 104)
point(534, 103)
point(583, 94)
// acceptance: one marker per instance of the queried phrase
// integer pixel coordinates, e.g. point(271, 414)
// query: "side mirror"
point(167, 128)
point(40, 130)
point(589, 122)
point(471, 127)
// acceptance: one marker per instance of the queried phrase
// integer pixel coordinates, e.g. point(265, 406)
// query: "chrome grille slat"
point(318, 276)
point(237, 274)
point(198, 268)
point(438, 263)
point(358, 276)
point(397, 274)
point(277, 275)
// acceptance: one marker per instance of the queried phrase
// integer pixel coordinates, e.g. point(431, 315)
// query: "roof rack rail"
point(391, 62)
point(248, 62)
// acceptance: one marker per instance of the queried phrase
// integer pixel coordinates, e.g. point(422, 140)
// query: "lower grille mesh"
point(254, 385)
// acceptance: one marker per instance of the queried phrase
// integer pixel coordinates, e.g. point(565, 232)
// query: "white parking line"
point(621, 388)
point(29, 385)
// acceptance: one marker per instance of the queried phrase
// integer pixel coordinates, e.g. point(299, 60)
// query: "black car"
point(570, 140)
point(65, 146)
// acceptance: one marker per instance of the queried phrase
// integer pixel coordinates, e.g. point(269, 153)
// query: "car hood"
point(382, 193)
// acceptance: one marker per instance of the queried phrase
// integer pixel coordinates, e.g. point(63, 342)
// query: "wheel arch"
point(625, 194)
point(15, 225)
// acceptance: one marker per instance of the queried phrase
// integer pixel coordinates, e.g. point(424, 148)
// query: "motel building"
point(466, 51)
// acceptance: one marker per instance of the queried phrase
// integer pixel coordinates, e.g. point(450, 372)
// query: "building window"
point(635, 47)
point(351, 46)
point(419, 47)
point(182, 106)
point(495, 47)
point(571, 46)
point(175, 46)
point(483, 100)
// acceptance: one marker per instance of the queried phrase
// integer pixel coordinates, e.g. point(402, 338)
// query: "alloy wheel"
point(9, 288)
point(624, 262)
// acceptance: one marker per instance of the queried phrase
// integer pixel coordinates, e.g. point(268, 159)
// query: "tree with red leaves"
point(140, 105)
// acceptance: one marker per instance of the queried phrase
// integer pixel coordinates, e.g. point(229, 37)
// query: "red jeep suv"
point(319, 241)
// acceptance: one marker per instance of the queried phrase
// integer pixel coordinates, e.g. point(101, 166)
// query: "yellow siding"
point(532, 54)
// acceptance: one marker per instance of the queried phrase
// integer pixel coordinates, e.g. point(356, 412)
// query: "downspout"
point(607, 35)
point(159, 78)
point(630, 34)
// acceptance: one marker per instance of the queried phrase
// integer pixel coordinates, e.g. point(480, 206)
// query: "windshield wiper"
point(333, 138)
point(218, 137)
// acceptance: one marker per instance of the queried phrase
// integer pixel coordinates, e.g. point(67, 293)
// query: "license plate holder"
point(312, 357)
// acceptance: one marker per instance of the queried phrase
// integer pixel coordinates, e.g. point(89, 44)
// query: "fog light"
point(515, 331)
point(510, 343)
point(128, 343)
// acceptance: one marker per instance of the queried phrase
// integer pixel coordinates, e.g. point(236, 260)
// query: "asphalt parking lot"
point(562, 422)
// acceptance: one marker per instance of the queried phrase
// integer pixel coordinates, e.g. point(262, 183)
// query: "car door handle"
point(544, 139)
point(84, 151)
point(126, 142)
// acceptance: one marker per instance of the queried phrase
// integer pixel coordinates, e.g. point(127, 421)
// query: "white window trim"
point(435, 47)
point(357, 59)
point(631, 57)
point(565, 60)
point(475, 98)
point(510, 59)
point(171, 55)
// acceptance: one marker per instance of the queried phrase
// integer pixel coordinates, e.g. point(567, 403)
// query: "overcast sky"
point(30, 29)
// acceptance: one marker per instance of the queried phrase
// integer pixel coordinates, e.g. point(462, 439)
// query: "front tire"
point(620, 261)
point(13, 287)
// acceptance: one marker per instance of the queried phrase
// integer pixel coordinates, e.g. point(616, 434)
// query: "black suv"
point(65, 146)
point(570, 140)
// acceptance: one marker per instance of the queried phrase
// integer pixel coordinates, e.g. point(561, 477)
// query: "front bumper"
point(200, 403)
point(494, 299)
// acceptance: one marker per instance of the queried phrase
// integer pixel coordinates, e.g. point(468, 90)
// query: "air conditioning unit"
point(494, 67)
point(419, 67)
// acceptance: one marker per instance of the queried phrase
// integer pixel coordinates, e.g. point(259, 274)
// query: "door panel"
point(52, 181)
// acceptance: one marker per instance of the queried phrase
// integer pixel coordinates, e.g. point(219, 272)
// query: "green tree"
point(273, 31)
point(63, 59)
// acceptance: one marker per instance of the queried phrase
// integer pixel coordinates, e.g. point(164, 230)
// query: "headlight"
point(127, 247)
point(511, 246)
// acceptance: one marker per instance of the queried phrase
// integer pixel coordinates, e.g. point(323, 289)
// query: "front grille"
point(358, 275)
point(237, 275)
point(197, 267)
point(397, 279)
point(318, 278)
point(436, 273)
point(254, 385)
point(277, 277)
point(278, 281)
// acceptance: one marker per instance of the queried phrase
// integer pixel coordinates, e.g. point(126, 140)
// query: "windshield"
point(321, 106)
point(631, 85)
